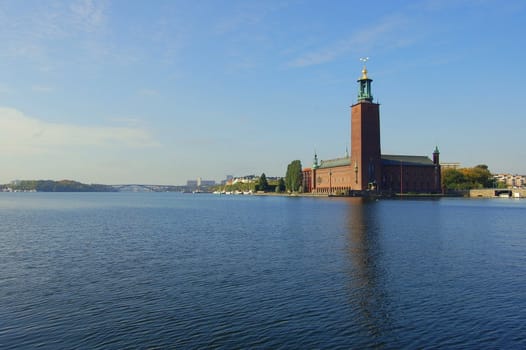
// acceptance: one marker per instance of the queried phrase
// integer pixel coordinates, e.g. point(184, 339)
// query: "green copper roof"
point(331, 163)
point(388, 159)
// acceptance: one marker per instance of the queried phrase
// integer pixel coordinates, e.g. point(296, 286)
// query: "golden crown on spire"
point(364, 73)
point(364, 70)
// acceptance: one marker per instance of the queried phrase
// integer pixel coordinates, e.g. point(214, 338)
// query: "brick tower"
point(365, 138)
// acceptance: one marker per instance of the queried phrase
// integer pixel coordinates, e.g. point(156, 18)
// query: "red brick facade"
point(334, 180)
point(408, 179)
point(365, 144)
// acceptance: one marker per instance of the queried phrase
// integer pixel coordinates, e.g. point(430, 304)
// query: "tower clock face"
point(318, 180)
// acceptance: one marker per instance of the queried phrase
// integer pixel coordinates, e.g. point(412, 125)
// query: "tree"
point(281, 185)
point(467, 178)
point(294, 176)
point(453, 179)
point(501, 184)
point(263, 183)
point(480, 176)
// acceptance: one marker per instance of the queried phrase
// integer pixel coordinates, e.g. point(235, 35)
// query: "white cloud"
point(24, 135)
point(385, 33)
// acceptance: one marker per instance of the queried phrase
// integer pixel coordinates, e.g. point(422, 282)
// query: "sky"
point(159, 92)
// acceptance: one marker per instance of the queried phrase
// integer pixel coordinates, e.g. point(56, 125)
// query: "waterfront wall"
point(498, 192)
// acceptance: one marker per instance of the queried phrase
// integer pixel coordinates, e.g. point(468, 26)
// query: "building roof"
point(389, 159)
point(331, 163)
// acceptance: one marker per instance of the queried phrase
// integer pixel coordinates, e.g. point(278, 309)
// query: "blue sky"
point(165, 91)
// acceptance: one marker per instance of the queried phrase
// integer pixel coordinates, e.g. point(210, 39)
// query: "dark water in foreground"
point(123, 270)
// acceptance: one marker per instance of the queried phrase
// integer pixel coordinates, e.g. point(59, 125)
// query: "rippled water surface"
point(165, 270)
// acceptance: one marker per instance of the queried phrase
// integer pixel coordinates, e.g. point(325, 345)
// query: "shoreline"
point(370, 195)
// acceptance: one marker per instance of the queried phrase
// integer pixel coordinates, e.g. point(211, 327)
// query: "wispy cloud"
point(25, 135)
point(149, 92)
point(247, 15)
point(29, 32)
point(4, 89)
point(42, 88)
point(170, 34)
point(441, 5)
point(88, 15)
point(239, 20)
point(387, 33)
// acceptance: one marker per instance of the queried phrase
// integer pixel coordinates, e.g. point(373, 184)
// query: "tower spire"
point(364, 92)
point(315, 161)
point(436, 156)
point(364, 69)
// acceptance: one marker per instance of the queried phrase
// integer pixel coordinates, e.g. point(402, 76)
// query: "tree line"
point(58, 186)
point(293, 182)
point(468, 178)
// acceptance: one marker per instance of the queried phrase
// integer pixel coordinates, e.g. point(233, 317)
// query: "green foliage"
point(241, 187)
point(452, 179)
point(280, 187)
point(59, 186)
point(263, 183)
point(467, 178)
point(501, 184)
point(294, 176)
point(480, 175)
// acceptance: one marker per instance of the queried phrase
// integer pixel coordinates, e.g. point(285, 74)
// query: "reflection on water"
point(364, 253)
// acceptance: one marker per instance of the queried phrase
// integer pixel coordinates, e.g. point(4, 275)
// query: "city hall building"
point(366, 169)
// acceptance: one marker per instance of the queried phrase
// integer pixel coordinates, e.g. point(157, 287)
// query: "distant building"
point(511, 180)
point(200, 183)
point(227, 179)
point(366, 169)
point(445, 166)
point(244, 179)
point(207, 183)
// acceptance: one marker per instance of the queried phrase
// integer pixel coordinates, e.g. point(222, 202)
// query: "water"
point(165, 270)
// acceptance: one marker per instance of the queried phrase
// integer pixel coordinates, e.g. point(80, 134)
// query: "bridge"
point(147, 188)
